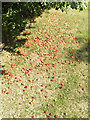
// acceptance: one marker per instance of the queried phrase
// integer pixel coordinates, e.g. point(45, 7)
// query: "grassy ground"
point(50, 71)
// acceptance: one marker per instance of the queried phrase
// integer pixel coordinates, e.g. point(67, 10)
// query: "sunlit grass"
point(53, 64)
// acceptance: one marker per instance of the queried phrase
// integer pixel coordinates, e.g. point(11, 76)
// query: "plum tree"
point(16, 14)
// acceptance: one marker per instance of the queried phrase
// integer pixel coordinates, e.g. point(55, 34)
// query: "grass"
point(54, 55)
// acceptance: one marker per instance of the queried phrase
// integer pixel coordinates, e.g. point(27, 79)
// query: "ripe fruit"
point(62, 84)
point(48, 105)
point(20, 103)
point(52, 105)
point(65, 113)
point(73, 69)
point(42, 90)
point(3, 91)
point(45, 96)
point(75, 64)
point(65, 61)
point(55, 116)
point(29, 80)
point(26, 86)
point(51, 79)
point(22, 83)
point(49, 84)
point(45, 112)
point(24, 90)
point(31, 86)
point(50, 113)
point(61, 87)
point(41, 85)
point(53, 73)
point(83, 88)
point(21, 76)
point(28, 74)
point(32, 116)
point(20, 80)
point(60, 95)
point(3, 82)
point(7, 93)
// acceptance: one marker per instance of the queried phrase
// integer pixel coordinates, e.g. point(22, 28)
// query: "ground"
point(47, 76)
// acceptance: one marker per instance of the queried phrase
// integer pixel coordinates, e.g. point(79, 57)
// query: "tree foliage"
point(16, 14)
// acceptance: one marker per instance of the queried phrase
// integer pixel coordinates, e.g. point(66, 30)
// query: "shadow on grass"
point(18, 43)
point(3, 72)
point(80, 54)
point(11, 48)
point(80, 39)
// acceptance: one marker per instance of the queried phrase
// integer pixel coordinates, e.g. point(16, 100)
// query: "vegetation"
point(47, 76)
point(16, 14)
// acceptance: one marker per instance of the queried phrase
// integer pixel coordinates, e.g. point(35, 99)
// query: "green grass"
point(62, 28)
